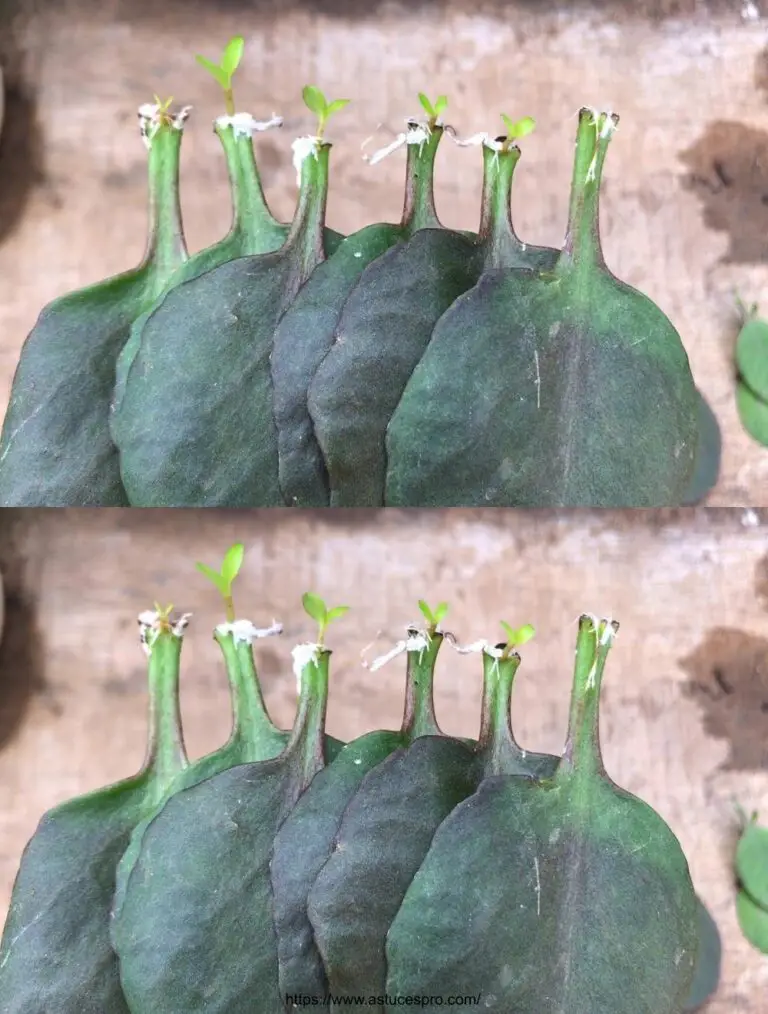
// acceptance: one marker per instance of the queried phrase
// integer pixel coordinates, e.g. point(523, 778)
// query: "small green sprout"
point(434, 112)
point(163, 618)
point(516, 637)
point(433, 616)
point(224, 71)
point(222, 579)
point(317, 103)
point(517, 128)
point(319, 611)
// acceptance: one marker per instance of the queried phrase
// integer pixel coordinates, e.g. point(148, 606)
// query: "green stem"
point(582, 756)
point(308, 228)
point(419, 210)
point(496, 743)
point(251, 724)
point(166, 248)
point(496, 231)
point(582, 250)
point(307, 741)
point(419, 712)
point(166, 756)
point(251, 215)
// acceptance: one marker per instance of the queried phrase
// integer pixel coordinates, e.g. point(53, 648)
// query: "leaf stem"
point(419, 210)
point(419, 711)
point(166, 756)
point(307, 231)
point(496, 743)
point(251, 723)
point(496, 232)
point(166, 248)
point(308, 736)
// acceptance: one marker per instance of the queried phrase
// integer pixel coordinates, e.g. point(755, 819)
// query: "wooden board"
point(685, 216)
point(685, 721)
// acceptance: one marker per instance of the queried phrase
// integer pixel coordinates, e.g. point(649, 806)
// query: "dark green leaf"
point(753, 412)
point(386, 324)
point(585, 399)
point(383, 838)
point(301, 847)
point(706, 976)
point(303, 338)
point(752, 357)
point(708, 452)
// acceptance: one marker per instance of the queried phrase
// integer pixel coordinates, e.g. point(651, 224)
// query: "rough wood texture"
point(686, 692)
point(685, 217)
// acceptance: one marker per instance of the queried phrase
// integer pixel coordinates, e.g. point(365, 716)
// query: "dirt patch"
point(728, 678)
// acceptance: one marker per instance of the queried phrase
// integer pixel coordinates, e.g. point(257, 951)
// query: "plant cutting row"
point(407, 364)
point(287, 868)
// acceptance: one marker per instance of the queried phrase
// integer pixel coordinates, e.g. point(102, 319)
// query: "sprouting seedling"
point(164, 110)
point(317, 103)
point(516, 637)
point(516, 129)
point(222, 579)
point(434, 112)
point(317, 609)
point(224, 71)
point(433, 616)
point(163, 617)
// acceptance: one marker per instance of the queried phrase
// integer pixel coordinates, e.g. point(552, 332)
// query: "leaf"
point(519, 636)
point(518, 128)
point(414, 788)
point(62, 895)
point(314, 607)
point(195, 425)
point(233, 561)
point(217, 580)
point(299, 854)
point(427, 106)
point(569, 856)
point(233, 54)
point(336, 612)
point(217, 73)
point(314, 100)
point(753, 920)
point(426, 612)
point(752, 357)
point(196, 919)
point(708, 454)
point(335, 106)
point(752, 863)
point(586, 398)
point(753, 412)
point(706, 977)
point(440, 106)
point(441, 612)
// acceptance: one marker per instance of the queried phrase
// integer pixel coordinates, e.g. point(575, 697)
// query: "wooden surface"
point(685, 216)
point(685, 709)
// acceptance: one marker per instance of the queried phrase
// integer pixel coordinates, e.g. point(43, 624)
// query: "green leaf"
point(753, 412)
point(706, 978)
point(335, 106)
point(315, 607)
point(753, 920)
point(752, 357)
point(216, 72)
point(427, 106)
point(441, 612)
point(518, 128)
point(335, 613)
point(233, 561)
point(314, 100)
point(518, 635)
point(426, 612)
point(233, 54)
point(216, 579)
point(569, 856)
point(587, 393)
point(440, 106)
point(708, 453)
point(752, 863)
